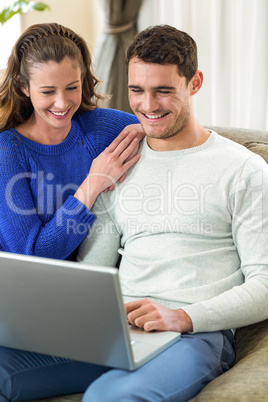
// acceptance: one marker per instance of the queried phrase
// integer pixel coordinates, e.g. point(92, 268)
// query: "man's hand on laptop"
point(152, 316)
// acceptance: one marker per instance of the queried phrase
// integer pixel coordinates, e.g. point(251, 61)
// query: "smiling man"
point(182, 222)
point(162, 100)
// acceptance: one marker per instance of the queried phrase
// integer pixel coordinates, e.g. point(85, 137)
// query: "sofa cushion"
point(242, 135)
point(259, 147)
point(255, 140)
point(66, 398)
point(247, 380)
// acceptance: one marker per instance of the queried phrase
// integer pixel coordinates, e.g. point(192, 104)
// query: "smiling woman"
point(55, 91)
point(52, 129)
point(58, 152)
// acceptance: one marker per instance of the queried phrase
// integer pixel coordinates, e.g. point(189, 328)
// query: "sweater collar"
point(57, 149)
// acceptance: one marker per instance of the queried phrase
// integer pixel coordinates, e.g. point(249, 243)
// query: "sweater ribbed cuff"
point(74, 210)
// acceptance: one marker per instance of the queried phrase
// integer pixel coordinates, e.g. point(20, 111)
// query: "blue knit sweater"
point(38, 213)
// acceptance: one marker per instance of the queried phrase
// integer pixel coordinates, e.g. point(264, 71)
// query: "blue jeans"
point(177, 374)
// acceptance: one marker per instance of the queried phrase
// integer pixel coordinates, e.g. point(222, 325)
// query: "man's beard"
point(179, 125)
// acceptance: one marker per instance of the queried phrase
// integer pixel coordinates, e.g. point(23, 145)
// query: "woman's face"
point(55, 91)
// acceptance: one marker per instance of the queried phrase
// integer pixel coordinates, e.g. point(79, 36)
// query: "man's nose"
point(150, 103)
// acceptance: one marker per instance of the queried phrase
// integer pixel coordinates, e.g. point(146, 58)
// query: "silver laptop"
point(71, 310)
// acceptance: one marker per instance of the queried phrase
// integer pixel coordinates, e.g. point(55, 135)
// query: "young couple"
point(202, 283)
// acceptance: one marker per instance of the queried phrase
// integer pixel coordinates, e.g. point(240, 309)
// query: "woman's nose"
point(61, 101)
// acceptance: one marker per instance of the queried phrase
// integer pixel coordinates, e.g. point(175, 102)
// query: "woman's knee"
point(5, 386)
point(6, 369)
point(3, 398)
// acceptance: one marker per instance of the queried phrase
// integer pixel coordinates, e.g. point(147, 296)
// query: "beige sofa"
point(247, 381)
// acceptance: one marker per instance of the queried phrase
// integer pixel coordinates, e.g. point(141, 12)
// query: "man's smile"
point(154, 116)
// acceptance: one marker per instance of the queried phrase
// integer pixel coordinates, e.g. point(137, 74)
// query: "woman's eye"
point(71, 88)
point(47, 92)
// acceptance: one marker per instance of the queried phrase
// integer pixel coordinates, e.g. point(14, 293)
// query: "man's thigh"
point(25, 375)
point(177, 374)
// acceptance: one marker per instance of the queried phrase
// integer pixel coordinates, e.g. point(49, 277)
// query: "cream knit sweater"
point(192, 229)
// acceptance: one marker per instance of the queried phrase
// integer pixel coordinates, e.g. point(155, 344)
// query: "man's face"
point(159, 97)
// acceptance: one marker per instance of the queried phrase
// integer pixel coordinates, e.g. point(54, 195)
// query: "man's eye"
point(164, 92)
point(136, 90)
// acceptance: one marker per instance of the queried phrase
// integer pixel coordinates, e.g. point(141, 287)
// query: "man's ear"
point(196, 82)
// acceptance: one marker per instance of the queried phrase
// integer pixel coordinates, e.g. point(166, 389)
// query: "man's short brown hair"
point(164, 44)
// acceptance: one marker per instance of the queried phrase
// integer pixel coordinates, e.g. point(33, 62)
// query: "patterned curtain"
point(119, 29)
